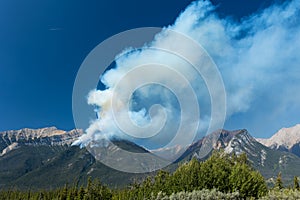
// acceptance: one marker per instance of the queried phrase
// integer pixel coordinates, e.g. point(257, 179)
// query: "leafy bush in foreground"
point(287, 194)
point(198, 195)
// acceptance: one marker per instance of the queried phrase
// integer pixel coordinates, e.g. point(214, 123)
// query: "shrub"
point(287, 194)
point(204, 194)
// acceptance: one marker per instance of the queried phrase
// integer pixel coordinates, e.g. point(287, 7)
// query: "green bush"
point(248, 182)
point(198, 195)
point(221, 172)
point(287, 194)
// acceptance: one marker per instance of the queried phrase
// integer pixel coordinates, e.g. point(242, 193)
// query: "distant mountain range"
point(286, 139)
point(44, 158)
point(266, 160)
point(50, 136)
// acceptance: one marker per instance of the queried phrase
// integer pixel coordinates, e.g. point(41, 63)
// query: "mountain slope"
point(73, 165)
point(286, 139)
point(268, 161)
point(23, 160)
point(44, 158)
point(25, 150)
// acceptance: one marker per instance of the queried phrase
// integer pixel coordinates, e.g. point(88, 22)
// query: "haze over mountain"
point(286, 139)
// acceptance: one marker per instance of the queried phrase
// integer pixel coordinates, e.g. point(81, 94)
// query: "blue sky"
point(43, 43)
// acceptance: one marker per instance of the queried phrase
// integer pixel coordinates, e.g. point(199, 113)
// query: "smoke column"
point(258, 59)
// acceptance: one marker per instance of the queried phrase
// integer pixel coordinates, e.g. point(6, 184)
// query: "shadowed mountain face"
point(44, 158)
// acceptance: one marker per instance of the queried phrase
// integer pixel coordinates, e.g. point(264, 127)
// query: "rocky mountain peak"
point(285, 137)
point(231, 141)
point(28, 133)
point(226, 136)
point(50, 136)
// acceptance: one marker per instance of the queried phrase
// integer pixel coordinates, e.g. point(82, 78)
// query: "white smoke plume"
point(258, 58)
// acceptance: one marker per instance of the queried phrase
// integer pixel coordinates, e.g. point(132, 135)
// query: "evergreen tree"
point(247, 182)
point(215, 172)
point(296, 183)
point(278, 183)
point(162, 182)
point(64, 193)
point(242, 159)
point(80, 193)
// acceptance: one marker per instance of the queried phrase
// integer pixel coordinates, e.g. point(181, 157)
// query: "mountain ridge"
point(286, 139)
point(40, 156)
point(51, 136)
point(45, 158)
point(264, 159)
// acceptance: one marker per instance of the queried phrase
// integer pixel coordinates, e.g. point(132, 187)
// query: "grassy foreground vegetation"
point(222, 176)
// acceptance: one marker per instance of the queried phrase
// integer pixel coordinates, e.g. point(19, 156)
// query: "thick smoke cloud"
point(258, 58)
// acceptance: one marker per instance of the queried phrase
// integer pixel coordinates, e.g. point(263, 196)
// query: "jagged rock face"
point(268, 161)
point(51, 136)
point(242, 142)
point(201, 149)
point(286, 139)
point(237, 142)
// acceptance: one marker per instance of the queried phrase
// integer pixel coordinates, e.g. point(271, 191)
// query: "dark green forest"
point(222, 176)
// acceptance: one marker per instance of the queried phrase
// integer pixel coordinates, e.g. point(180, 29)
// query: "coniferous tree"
point(216, 171)
point(242, 158)
point(278, 183)
point(246, 181)
point(81, 193)
point(296, 183)
point(64, 193)
point(162, 182)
